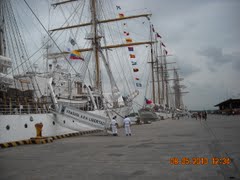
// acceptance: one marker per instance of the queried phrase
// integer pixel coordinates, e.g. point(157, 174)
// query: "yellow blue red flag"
point(76, 55)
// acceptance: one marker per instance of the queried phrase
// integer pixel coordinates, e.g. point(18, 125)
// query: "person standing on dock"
point(205, 115)
point(127, 124)
point(178, 116)
point(114, 126)
point(200, 115)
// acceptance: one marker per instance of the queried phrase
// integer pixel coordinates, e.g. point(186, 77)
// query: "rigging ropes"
point(14, 39)
point(118, 56)
point(48, 33)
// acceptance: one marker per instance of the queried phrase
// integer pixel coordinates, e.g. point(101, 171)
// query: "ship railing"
point(23, 109)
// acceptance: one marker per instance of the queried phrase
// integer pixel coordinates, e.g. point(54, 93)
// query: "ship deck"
point(144, 155)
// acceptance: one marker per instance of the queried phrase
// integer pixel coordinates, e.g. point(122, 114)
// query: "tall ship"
point(74, 87)
point(163, 99)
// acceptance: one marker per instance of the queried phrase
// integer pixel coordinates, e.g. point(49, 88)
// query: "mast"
point(95, 45)
point(162, 75)
point(158, 74)
point(2, 41)
point(152, 66)
point(165, 78)
point(177, 90)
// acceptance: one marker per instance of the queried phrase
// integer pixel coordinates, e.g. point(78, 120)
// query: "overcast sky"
point(203, 37)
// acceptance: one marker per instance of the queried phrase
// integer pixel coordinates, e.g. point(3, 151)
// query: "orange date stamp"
point(200, 161)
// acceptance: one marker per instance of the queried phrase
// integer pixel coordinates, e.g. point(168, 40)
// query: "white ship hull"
point(163, 115)
point(22, 127)
point(98, 119)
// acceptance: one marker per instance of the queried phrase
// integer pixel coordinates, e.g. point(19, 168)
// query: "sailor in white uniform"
point(114, 127)
point(127, 124)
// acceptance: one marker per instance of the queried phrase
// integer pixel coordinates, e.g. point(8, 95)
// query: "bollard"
point(39, 139)
point(38, 127)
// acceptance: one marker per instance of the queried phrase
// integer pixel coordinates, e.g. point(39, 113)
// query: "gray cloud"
point(218, 58)
point(186, 69)
point(236, 64)
point(216, 55)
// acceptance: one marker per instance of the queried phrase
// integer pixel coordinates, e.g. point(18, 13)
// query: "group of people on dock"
point(200, 115)
point(126, 125)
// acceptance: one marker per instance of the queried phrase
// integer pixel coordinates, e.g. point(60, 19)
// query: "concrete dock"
point(160, 150)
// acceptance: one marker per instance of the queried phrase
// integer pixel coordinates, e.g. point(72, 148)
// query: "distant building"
point(230, 106)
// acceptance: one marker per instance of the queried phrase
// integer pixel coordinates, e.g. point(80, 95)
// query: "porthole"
point(73, 121)
point(31, 118)
point(64, 121)
point(25, 125)
point(53, 122)
point(7, 127)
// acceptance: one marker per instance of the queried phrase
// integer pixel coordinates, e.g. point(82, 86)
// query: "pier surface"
point(145, 155)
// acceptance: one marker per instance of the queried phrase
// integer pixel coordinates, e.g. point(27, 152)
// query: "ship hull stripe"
point(44, 141)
